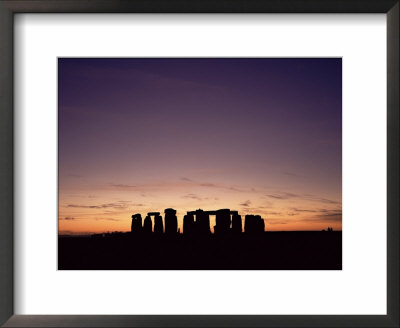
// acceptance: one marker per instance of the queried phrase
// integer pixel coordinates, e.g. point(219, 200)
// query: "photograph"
point(223, 163)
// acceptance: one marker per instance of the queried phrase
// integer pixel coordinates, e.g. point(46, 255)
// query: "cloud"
point(328, 218)
point(246, 203)
point(284, 195)
point(122, 204)
point(327, 201)
point(122, 186)
point(277, 221)
point(235, 189)
point(106, 219)
point(93, 206)
point(197, 197)
point(295, 209)
point(68, 218)
point(324, 215)
point(319, 213)
point(331, 215)
point(271, 213)
point(182, 183)
point(266, 204)
point(221, 186)
point(313, 198)
point(208, 185)
point(193, 196)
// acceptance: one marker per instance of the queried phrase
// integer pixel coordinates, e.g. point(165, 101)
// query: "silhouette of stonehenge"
point(198, 223)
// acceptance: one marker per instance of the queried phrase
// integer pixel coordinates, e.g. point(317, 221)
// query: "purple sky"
point(261, 136)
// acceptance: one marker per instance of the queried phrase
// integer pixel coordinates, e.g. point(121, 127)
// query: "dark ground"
point(306, 250)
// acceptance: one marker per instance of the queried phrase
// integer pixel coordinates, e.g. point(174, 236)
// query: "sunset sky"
point(260, 136)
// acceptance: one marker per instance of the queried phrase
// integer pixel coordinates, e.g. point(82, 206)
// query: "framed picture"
point(217, 164)
point(215, 214)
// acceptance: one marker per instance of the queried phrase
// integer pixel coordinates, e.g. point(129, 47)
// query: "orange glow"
point(109, 209)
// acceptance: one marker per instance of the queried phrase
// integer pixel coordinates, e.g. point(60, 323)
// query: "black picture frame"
point(10, 7)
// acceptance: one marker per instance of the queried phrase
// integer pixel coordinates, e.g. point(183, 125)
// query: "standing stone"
point(188, 224)
point(147, 225)
point(171, 221)
point(136, 225)
point(202, 222)
point(158, 225)
point(133, 223)
point(223, 221)
point(260, 225)
point(249, 224)
point(254, 224)
point(236, 223)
